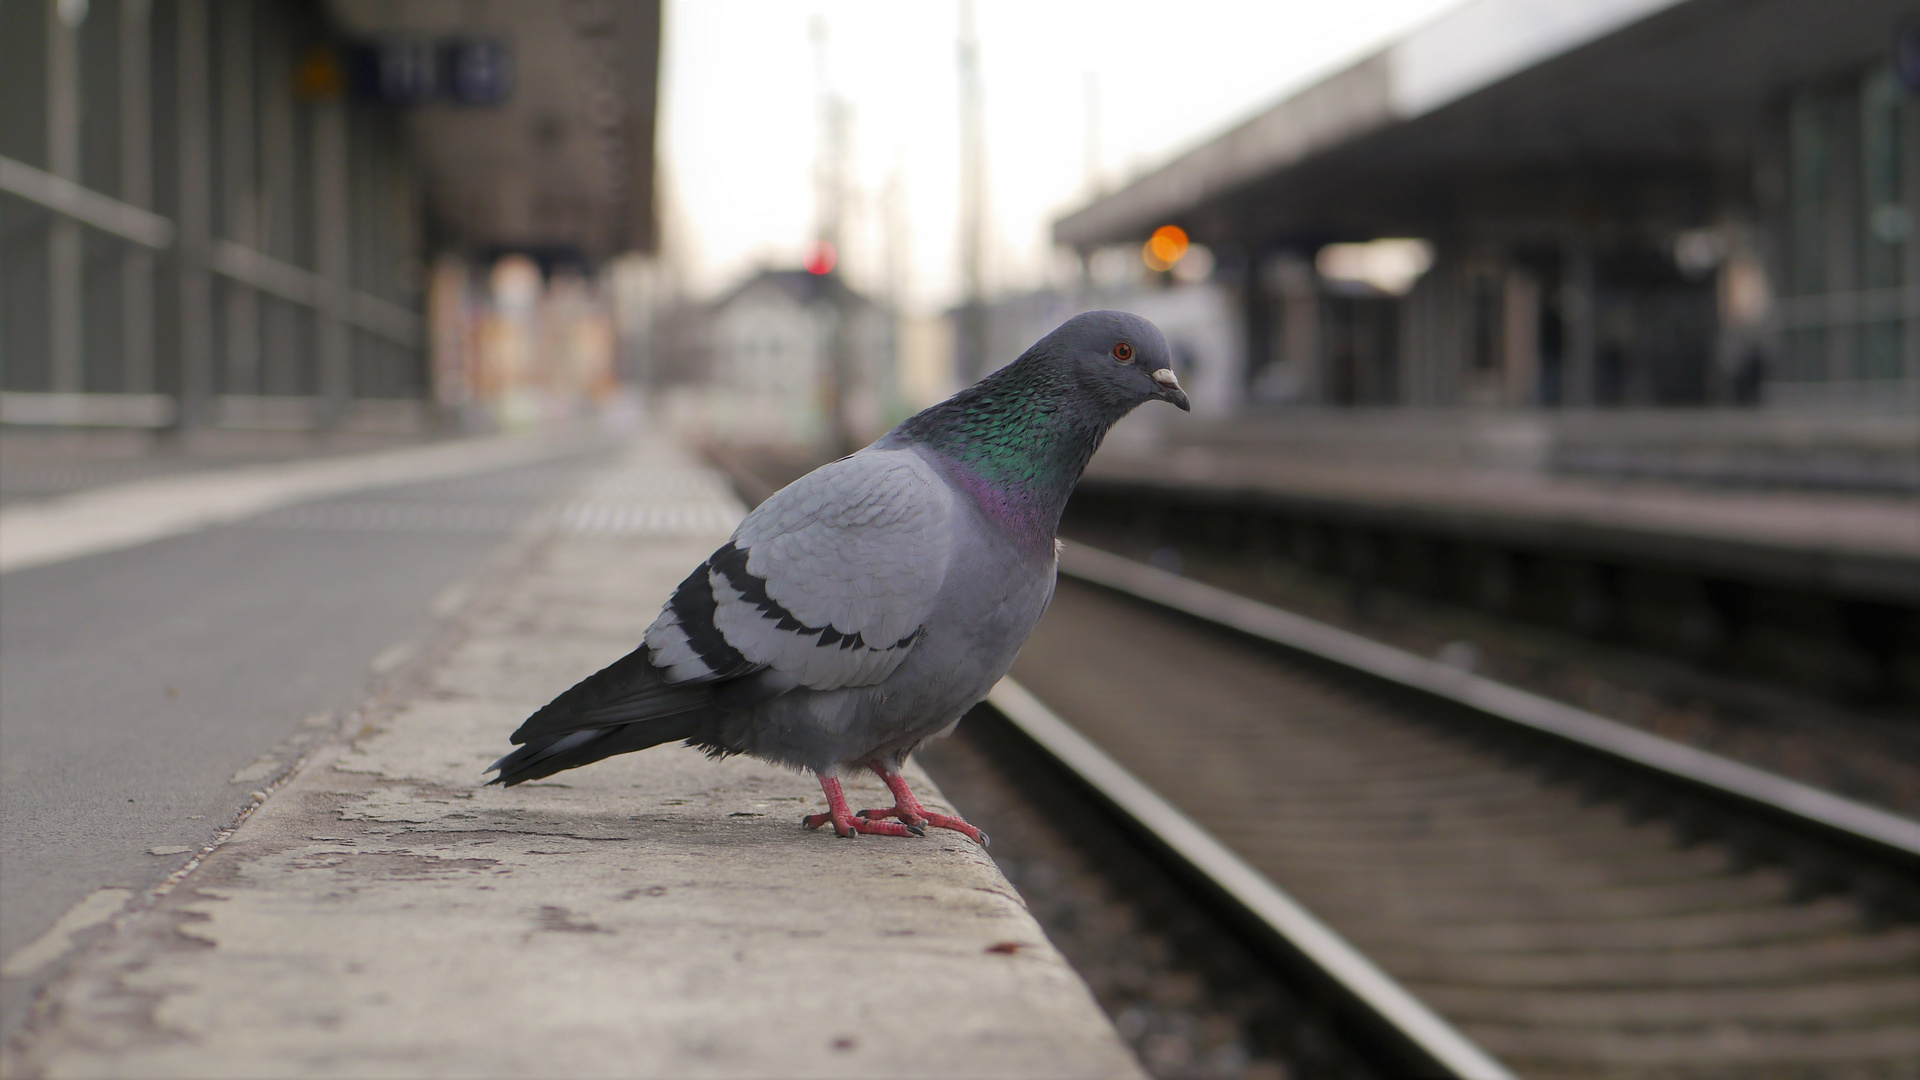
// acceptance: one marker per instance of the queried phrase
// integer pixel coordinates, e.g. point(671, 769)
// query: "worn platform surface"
point(381, 914)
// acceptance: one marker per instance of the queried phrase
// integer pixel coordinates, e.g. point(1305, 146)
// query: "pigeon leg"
point(846, 823)
point(910, 812)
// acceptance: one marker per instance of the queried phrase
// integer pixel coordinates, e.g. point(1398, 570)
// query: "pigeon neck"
point(1017, 442)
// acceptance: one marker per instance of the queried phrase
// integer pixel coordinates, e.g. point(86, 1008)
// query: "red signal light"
point(821, 257)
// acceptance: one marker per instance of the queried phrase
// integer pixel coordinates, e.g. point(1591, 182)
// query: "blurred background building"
point(770, 349)
point(1560, 206)
point(317, 215)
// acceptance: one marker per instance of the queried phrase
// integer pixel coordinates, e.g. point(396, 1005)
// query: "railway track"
point(1574, 901)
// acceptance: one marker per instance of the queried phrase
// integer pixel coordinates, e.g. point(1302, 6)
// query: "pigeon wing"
point(830, 582)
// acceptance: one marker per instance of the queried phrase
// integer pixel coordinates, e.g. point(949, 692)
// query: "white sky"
point(740, 128)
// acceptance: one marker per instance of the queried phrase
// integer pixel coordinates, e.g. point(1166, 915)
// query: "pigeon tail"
point(623, 707)
point(628, 691)
point(558, 753)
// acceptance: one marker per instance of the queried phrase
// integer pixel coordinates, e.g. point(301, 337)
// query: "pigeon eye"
point(1123, 352)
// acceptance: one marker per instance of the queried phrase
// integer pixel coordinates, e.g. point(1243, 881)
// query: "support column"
point(240, 221)
point(1419, 331)
point(1300, 327)
point(64, 283)
point(1581, 333)
point(975, 353)
point(286, 360)
point(1910, 268)
point(1257, 323)
point(136, 188)
point(1843, 214)
point(333, 340)
point(1520, 330)
point(194, 218)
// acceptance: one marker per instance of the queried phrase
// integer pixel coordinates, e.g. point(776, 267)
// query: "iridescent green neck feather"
point(1017, 442)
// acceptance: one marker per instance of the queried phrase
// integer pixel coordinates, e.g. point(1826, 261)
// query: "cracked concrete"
point(381, 914)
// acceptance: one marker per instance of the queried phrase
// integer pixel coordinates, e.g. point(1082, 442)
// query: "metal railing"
point(236, 262)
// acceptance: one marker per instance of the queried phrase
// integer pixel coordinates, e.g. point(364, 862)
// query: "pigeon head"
point(1116, 358)
point(1018, 440)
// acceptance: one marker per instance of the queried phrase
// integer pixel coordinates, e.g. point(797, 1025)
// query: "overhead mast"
point(830, 190)
point(973, 326)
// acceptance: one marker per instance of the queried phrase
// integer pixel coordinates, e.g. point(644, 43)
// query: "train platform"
point(1525, 482)
point(380, 912)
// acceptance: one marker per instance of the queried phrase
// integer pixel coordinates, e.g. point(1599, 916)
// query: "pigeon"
point(864, 608)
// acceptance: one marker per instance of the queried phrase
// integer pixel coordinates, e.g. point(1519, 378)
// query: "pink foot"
point(911, 813)
point(846, 824)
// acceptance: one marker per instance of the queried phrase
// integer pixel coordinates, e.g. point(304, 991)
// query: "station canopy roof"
point(1504, 110)
point(565, 160)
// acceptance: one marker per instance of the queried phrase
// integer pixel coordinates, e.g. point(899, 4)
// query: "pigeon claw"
point(847, 824)
point(887, 828)
point(959, 825)
point(908, 809)
point(916, 827)
point(842, 829)
point(853, 825)
point(913, 819)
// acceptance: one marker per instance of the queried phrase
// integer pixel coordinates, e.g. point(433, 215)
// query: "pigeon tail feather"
point(630, 690)
point(558, 753)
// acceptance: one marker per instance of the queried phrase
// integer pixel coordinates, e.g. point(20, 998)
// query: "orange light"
point(821, 257)
point(319, 77)
point(1168, 244)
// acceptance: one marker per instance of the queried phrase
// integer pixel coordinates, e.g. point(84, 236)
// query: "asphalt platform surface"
point(147, 692)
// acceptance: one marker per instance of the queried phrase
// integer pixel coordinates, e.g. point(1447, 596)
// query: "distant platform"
point(1860, 449)
point(1504, 478)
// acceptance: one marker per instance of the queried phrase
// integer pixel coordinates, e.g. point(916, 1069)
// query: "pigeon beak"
point(1170, 389)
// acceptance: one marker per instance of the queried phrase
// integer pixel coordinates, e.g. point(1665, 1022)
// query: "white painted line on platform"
point(391, 657)
point(451, 599)
point(124, 515)
point(261, 769)
point(96, 908)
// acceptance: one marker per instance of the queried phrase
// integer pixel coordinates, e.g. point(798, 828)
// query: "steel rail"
point(1887, 836)
point(1381, 1003)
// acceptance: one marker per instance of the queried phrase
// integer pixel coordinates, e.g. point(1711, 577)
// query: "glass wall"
point(277, 280)
point(1850, 311)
